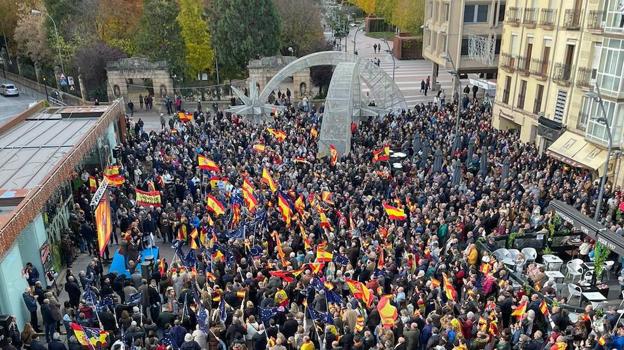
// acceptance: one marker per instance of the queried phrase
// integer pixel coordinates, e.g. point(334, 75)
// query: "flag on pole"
point(206, 163)
point(323, 256)
point(250, 200)
point(520, 310)
point(360, 291)
point(266, 178)
point(147, 199)
point(103, 223)
point(381, 155)
point(111, 170)
point(279, 135)
point(214, 205)
point(387, 311)
point(450, 291)
point(284, 208)
point(394, 213)
point(185, 117)
point(326, 196)
point(544, 308)
point(194, 235)
point(115, 180)
point(90, 337)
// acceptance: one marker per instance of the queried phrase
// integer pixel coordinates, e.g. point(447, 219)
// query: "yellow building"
point(449, 24)
point(553, 52)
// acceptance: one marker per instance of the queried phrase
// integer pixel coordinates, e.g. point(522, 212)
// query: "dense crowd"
point(256, 281)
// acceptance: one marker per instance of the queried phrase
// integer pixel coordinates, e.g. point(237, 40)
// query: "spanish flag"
point(381, 155)
point(395, 213)
point(325, 221)
point(360, 324)
point(280, 250)
point(207, 164)
point(520, 309)
point(247, 186)
point(435, 283)
point(301, 160)
point(313, 132)
point(111, 170)
point(266, 178)
point(162, 267)
point(333, 155)
point(210, 276)
point(259, 147)
point(89, 337)
point(250, 200)
point(185, 117)
point(449, 290)
point(279, 135)
point(147, 199)
point(544, 308)
point(214, 205)
point(360, 291)
point(236, 214)
point(194, 236)
point(287, 276)
point(115, 180)
point(284, 208)
point(323, 256)
point(326, 196)
point(300, 205)
point(387, 311)
point(93, 185)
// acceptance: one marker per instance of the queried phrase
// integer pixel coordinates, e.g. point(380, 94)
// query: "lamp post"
point(355, 37)
point(58, 38)
point(455, 74)
point(596, 97)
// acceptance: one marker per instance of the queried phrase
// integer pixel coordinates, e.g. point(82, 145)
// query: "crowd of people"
point(336, 272)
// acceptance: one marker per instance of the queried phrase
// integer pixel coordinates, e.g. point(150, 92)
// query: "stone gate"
point(131, 71)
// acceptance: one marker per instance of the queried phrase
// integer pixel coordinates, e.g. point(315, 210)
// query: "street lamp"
point(597, 98)
point(355, 37)
point(58, 38)
point(455, 75)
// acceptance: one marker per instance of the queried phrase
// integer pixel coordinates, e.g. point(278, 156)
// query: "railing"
point(507, 62)
point(513, 16)
point(521, 99)
point(594, 20)
point(562, 73)
point(547, 17)
point(539, 68)
point(523, 65)
point(584, 77)
point(530, 16)
point(572, 19)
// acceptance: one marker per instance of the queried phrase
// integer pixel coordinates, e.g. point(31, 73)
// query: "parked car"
point(8, 90)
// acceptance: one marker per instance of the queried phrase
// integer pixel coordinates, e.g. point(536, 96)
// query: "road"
point(10, 106)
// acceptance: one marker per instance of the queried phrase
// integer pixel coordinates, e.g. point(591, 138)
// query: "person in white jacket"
point(200, 337)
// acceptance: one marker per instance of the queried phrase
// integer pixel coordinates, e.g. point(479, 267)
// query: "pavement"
point(11, 106)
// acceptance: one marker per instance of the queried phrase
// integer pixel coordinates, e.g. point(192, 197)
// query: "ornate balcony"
point(539, 68)
point(530, 17)
point(562, 74)
point(594, 21)
point(523, 65)
point(584, 78)
point(572, 19)
point(548, 18)
point(513, 16)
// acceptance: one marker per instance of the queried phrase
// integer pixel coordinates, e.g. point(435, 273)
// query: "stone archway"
point(137, 69)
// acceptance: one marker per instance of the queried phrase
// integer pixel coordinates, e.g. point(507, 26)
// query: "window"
point(611, 63)
point(476, 13)
point(522, 94)
point(539, 94)
point(506, 90)
point(497, 46)
point(596, 59)
point(501, 13)
point(597, 131)
point(560, 105)
point(443, 40)
point(464, 47)
point(584, 114)
point(446, 12)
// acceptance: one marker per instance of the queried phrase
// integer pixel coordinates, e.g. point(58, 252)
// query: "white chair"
point(501, 254)
point(608, 267)
point(530, 254)
point(573, 270)
point(513, 253)
point(598, 305)
point(574, 291)
point(588, 275)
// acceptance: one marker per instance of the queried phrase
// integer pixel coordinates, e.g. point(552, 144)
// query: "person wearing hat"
point(189, 343)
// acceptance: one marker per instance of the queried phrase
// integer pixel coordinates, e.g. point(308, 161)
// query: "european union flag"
point(267, 313)
point(341, 259)
point(378, 273)
point(89, 296)
point(256, 251)
point(320, 316)
point(166, 341)
point(105, 303)
point(239, 233)
point(190, 260)
point(333, 297)
point(317, 284)
point(202, 316)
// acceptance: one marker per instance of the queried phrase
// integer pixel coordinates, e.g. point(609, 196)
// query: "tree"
point(368, 6)
point(408, 15)
point(158, 36)
point(91, 61)
point(385, 9)
point(242, 30)
point(30, 34)
point(199, 53)
point(8, 22)
point(321, 77)
point(301, 26)
point(117, 23)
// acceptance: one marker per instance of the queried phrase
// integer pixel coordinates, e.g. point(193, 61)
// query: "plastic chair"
point(608, 267)
point(530, 254)
point(588, 275)
point(501, 254)
point(574, 291)
point(573, 270)
point(513, 253)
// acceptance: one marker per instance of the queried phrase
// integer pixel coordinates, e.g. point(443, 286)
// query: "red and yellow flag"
point(111, 170)
point(395, 213)
point(313, 133)
point(300, 205)
point(381, 155)
point(250, 200)
point(214, 205)
point(326, 196)
point(284, 208)
point(147, 199)
point(207, 164)
point(247, 185)
point(266, 178)
point(323, 256)
point(520, 309)
point(280, 135)
point(544, 308)
point(325, 221)
point(360, 291)
point(259, 147)
point(387, 311)
point(194, 235)
point(93, 185)
point(449, 290)
point(115, 180)
point(333, 155)
point(185, 117)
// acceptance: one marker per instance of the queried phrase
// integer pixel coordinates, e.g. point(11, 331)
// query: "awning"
point(588, 226)
point(573, 149)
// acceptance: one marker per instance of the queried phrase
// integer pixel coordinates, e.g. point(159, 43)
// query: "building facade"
point(553, 53)
point(449, 25)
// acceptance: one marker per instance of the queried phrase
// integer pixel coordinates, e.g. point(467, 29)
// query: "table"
point(594, 297)
point(552, 262)
point(557, 276)
point(588, 265)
